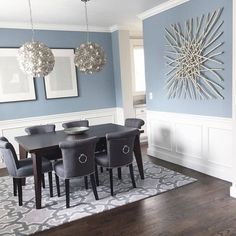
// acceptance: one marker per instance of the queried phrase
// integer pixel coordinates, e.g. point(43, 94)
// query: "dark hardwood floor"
point(199, 209)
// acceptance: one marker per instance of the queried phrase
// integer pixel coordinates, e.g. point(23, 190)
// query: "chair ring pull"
point(83, 158)
point(126, 149)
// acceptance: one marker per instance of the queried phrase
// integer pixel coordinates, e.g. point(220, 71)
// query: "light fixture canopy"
point(35, 58)
point(89, 57)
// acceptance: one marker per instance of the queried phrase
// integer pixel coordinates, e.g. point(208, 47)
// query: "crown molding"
point(114, 28)
point(161, 8)
point(59, 27)
point(134, 31)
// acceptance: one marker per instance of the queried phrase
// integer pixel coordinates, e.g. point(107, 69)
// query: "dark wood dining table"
point(37, 145)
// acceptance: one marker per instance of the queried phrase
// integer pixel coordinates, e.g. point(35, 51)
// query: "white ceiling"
point(102, 14)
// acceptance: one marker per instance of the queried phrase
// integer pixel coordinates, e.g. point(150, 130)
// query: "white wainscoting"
point(12, 128)
point(197, 142)
point(120, 115)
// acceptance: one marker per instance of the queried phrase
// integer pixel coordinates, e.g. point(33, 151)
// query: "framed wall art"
point(62, 81)
point(14, 84)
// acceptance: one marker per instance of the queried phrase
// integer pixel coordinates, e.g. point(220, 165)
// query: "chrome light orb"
point(90, 57)
point(36, 59)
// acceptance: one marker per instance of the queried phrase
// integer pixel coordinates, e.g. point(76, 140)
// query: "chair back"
point(78, 123)
point(120, 146)
point(134, 123)
point(40, 129)
point(78, 157)
point(9, 156)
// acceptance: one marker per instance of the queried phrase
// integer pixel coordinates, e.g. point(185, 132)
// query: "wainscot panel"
point(12, 128)
point(198, 142)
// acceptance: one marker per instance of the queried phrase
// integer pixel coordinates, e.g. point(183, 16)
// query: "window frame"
point(135, 43)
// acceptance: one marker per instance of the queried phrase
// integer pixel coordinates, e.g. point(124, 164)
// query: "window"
point(139, 85)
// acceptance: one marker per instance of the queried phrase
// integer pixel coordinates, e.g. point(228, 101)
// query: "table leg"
point(23, 155)
point(22, 152)
point(138, 156)
point(37, 165)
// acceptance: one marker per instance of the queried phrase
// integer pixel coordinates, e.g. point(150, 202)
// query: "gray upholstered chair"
point(134, 123)
point(20, 169)
point(78, 123)
point(101, 144)
point(42, 129)
point(120, 147)
point(77, 161)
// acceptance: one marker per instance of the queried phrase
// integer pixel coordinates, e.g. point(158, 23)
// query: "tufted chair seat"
point(25, 167)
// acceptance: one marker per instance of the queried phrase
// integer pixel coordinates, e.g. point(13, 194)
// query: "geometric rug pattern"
point(26, 220)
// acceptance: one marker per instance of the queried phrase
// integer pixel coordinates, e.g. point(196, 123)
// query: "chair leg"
point(94, 187)
point(86, 181)
point(67, 184)
point(132, 175)
point(96, 174)
point(111, 181)
point(19, 185)
point(58, 186)
point(119, 172)
point(43, 181)
point(101, 169)
point(50, 183)
point(14, 187)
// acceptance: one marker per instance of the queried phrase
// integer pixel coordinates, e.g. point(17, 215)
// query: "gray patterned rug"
point(25, 220)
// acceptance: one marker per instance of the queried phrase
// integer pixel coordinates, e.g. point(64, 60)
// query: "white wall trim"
point(13, 128)
point(59, 27)
point(233, 188)
point(186, 116)
point(55, 117)
point(233, 191)
point(120, 116)
point(161, 8)
point(201, 143)
point(80, 28)
point(204, 167)
point(114, 28)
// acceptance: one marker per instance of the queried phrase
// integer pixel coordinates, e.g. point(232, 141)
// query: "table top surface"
point(41, 142)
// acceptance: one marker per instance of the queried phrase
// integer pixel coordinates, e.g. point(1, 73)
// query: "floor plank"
point(199, 209)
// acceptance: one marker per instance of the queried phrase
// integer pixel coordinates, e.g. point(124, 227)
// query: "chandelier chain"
point(86, 19)
point(31, 21)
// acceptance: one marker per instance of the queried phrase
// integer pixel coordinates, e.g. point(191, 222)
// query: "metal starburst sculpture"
point(193, 58)
point(35, 58)
point(89, 57)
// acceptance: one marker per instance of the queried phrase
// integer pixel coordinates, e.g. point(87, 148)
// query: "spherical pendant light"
point(89, 57)
point(36, 59)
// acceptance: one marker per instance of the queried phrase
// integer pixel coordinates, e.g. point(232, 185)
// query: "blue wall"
point(154, 45)
point(117, 73)
point(95, 91)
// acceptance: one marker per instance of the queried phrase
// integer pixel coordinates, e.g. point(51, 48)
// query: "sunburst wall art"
point(194, 58)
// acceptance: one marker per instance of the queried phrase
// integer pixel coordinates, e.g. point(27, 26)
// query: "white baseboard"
point(197, 142)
